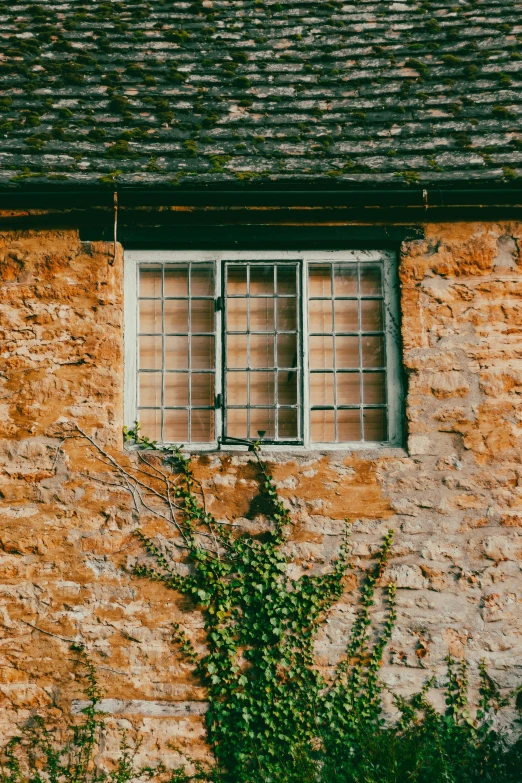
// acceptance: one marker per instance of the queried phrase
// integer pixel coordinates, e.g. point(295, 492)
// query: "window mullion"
point(248, 362)
point(189, 340)
point(305, 370)
point(360, 337)
point(276, 355)
point(334, 348)
point(219, 350)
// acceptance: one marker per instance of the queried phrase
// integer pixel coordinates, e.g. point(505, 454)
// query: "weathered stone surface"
point(157, 709)
point(454, 497)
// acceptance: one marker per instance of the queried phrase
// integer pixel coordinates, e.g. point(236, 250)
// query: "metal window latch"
point(218, 402)
point(218, 303)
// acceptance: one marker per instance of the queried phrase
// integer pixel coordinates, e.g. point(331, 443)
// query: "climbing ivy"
point(273, 717)
point(268, 700)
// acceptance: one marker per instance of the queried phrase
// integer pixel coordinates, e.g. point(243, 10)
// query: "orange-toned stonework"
point(453, 494)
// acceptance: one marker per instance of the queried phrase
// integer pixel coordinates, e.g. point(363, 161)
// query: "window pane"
point(176, 315)
point(237, 423)
point(346, 336)
point(237, 315)
point(286, 314)
point(346, 315)
point(202, 315)
point(151, 353)
point(374, 388)
point(287, 388)
point(262, 422)
point(176, 388)
point(261, 350)
point(262, 388)
point(176, 281)
point(371, 281)
point(150, 421)
point(348, 388)
point(346, 280)
point(373, 351)
point(371, 315)
point(175, 426)
point(349, 425)
point(261, 315)
point(201, 426)
point(287, 279)
point(150, 316)
point(150, 282)
point(202, 388)
point(321, 352)
point(320, 311)
point(202, 356)
point(237, 388)
point(323, 426)
point(347, 352)
point(287, 423)
point(176, 353)
point(322, 388)
point(262, 336)
point(237, 350)
point(150, 389)
point(202, 281)
point(237, 280)
point(261, 280)
point(320, 281)
point(375, 425)
point(287, 350)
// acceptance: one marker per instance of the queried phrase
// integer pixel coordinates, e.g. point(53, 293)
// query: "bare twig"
point(142, 492)
point(141, 457)
point(49, 633)
point(58, 450)
point(133, 484)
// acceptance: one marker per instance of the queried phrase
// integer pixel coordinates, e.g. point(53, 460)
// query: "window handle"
point(218, 402)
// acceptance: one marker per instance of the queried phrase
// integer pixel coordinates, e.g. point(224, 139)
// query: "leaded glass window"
point(176, 357)
point(347, 350)
point(262, 352)
point(290, 349)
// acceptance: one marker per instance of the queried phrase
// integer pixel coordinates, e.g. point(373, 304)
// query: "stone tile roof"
point(213, 91)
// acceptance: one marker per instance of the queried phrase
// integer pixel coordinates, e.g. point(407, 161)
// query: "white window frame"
point(134, 259)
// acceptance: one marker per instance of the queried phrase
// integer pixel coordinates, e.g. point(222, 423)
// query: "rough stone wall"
point(453, 495)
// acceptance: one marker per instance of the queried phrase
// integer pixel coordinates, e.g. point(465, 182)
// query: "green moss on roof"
point(366, 91)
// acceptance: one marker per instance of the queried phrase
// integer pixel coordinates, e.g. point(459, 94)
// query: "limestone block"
point(502, 547)
point(409, 577)
point(156, 709)
point(419, 444)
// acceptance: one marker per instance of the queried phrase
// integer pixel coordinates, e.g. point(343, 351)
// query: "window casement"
point(292, 349)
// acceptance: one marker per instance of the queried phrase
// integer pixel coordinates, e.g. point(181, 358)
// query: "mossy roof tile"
point(139, 91)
